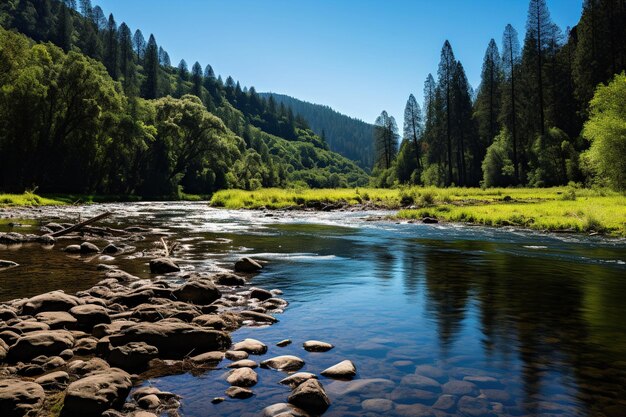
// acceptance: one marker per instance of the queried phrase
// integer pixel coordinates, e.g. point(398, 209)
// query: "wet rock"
point(163, 395)
point(58, 319)
point(260, 294)
point(474, 407)
point(85, 346)
point(7, 313)
point(89, 315)
point(7, 264)
point(430, 220)
point(483, 381)
point(317, 346)
point(86, 368)
point(30, 326)
point(163, 266)
point(283, 410)
point(372, 387)
point(201, 292)
point(343, 370)
point(94, 394)
point(252, 346)
point(284, 343)
point(239, 393)
point(212, 321)
point(242, 377)
point(460, 388)
point(258, 317)
point(247, 265)
point(149, 402)
point(164, 310)
point(54, 381)
point(208, 357)
point(421, 382)
point(51, 301)
point(244, 363)
point(72, 249)
point(407, 395)
point(132, 357)
point(235, 355)
point(88, 247)
point(111, 249)
point(230, 280)
point(310, 396)
point(446, 402)
point(297, 379)
point(497, 395)
point(413, 410)
point(9, 337)
point(377, 405)
point(286, 363)
point(20, 398)
point(218, 400)
point(173, 339)
point(107, 329)
point(431, 372)
point(43, 342)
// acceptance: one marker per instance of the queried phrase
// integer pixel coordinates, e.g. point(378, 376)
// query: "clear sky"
point(357, 56)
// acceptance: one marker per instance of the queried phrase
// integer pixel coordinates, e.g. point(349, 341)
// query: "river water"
point(542, 316)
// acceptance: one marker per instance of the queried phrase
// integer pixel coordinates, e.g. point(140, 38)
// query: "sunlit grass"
point(27, 199)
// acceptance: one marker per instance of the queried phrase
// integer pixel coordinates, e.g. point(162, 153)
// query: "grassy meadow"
point(27, 199)
point(547, 209)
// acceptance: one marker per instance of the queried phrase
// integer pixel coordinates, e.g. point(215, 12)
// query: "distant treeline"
point(524, 124)
point(105, 111)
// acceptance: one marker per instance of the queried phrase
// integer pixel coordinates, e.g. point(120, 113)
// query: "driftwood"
point(80, 225)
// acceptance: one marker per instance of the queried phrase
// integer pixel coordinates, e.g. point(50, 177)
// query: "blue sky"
point(357, 56)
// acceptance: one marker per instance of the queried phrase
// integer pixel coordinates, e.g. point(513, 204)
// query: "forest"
point(541, 116)
point(88, 106)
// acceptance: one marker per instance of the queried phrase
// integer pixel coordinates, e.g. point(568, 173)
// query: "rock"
point(242, 377)
point(149, 402)
point(260, 294)
point(377, 405)
point(284, 343)
point(431, 372)
point(286, 363)
point(86, 368)
point(212, 321)
point(7, 313)
point(231, 280)
point(173, 339)
point(407, 395)
point(310, 396)
point(167, 309)
point(54, 380)
point(259, 317)
point(20, 398)
point(42, 342)
point(67, 354)
point(54, 363)
point(72, 249)
point(244, 363)
point(372, 387)
point(85, 346)
point(163, 266)
point(208, 357)
point(252, 346)
point(141, 414)
point(413, 410)
point(89, 315)
point(236, 355)
point(430, 220)
point(30, 326)
point(51, 301)
point(247, 265)
point(94, 394)
point(111, 249)
point(239, 393)
point(58, 319)
point(107, 329)
point(343, 370)
point(9, 337)
point(317, 346)
point(132, 357)
point(163, 395)
point(201, 292)
point(497, 395)
point(474, 407)
point(218, 400)
point(88, 247)
point(284, 410)
point(421, 382)
point(446, 402)
point(460, 388)
point(297, 379)
point(486, 382)
point(7, 264)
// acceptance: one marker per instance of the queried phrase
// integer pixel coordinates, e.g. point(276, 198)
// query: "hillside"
point(348, 136)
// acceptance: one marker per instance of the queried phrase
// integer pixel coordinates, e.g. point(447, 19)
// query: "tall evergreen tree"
point(139, 44)
point(111, 53)
point(209, 73)
point(151, 68)
point(447, 67)
point(64, 28)
point(196, 79)
point(413, 128)
point(385, 140)
point(510, 63)
point(86, 9)
point(127, 65)
point(98, 18)
point(164, 58)
point(488, 102)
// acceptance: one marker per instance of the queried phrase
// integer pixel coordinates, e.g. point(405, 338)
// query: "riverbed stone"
point(408, 395)
point(244, 363)
point(54, 380)
point(208, 357)
point(421, 382)
point(106, 329)
point(317, 346)
point(20, 398)
point(297, 379)
point(460, 388)
point(163, 266)
point(260, 294)
point(201, 292)
point(342, 370)
point(85, 346)
point(42, 342)
point(112, 249)
point(30, 326)
point(94, 394)
point(58, 319)
point(258, 317)
point(432, 372)
point(7, 264)
point(51, 301)
point(160, 309)
point(474, 407)
point(242, 377)
point(229, 279)
point(497, 395)
point(377, 405)
point(372, 387)
point(133, 357)
point(446, 402)
point(252, 346)
point(72, 249)
point(88, 247)
point(54, 363)
point(236, 355)
point(487, 382)
point(212, 321)
point(287, 363)
point(310, 396)
point(89, 315)
point(283, 410)
point(283, 343)
point(414, 410)
point(173, 339)
point(7, 313)
point(9, 336)
point(89, 367)
point(239, 393)
point(149, 402)
point(247, 265)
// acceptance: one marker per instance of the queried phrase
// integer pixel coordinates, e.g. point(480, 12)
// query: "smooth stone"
point(377, 405)
point(42, 342)
point(239, 393)
point(421, 382)
point(218, 400)
point(72, 249)
point(283, 363)
point(487, 382)
point(236, 355)
point(242, 377)
point(361, 387)
point(54, 380)
point(212, 321)
point(407, 395)
point(432, 372)
point(317, 346)
point(163, 266)
point(85, 346)
point(89, 315)
point(199, 292)
point(297, 379)
point(497, 395)
point(284, 343)
point(310, 396)
point(30, 326)
point(413, 410)
point(51, 301)
point(474, 407)
point(247, 265)
point(20, 398)
point(149, 402)
point(446, 402)
point(252, 346)
point(86, 368)
point(7, 264)
point(111, 249)
point(257, 316)
point(260, 294)
point(94, 394)
point(342, 370)
point(133, 356)
point(142, 414)
point(230, 280)
point(57, 319)
point(148, 390)
point(283, 410)
point(88, 247)
point(460, 388)
point(244, 363)
point(208, 357)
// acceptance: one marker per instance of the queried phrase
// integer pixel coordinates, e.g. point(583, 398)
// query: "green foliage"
point(497, 166)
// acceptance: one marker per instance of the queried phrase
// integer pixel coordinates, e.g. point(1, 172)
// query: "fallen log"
point(80, 225)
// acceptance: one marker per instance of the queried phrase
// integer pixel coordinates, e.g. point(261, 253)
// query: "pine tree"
point(183, 70)
point(196, 78)
point(64, 28)
point(209, 73)
point(86, 9)
point(510, 63)
point(139, 44)
point(127, 66)
point(151, 68)
point(111, 53)
point(164, 58)
point(489, 95)
point(385, 140)
point(413, 128)
point(98, 18)
point(447, 66)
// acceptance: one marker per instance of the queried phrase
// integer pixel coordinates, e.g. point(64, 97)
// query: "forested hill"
point(348, 136)
point(90, 106)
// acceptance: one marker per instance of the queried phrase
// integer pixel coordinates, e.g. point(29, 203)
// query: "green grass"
point(551, 209)
point(27, 199)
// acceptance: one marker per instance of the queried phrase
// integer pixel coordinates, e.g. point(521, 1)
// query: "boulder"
point(72, 249)
point(42, 342)
point(239, 393)
point(258, 317)
point(484, 382)
point(460, 388)
point(150, 401)
point(106, 329)
point(260, 294)
point(88, 247)
point(132, 357)
point(286, 363)
point(421, 382)
point(247, 265)
point(7, 264)
point(283, 343)
point(343, 370)
point(446, 402)
point(474, 407)
point(236, 355)
point(431, 372)
point(89, 315)
point(244, 363)
point(201, 292)
point(283, 410)
point(242, 377)
point(111, 249)
point(9, 336)
point(20, 398)
point(30, 325)
point(57, 319)
point(310, 396)
point(173, 339)
point(94, 394)
point(85, 346)
point(7, 313)
point(377, 405)
point(429, 220)
point(252, 346)
point(230, 280)
point(51, 301)
point(317, 346)
point(54, 380)
point(212, 321)
point(167, 309)
point(297, 379)
point(86, 368)
point(208, 357)
point(163, 266)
